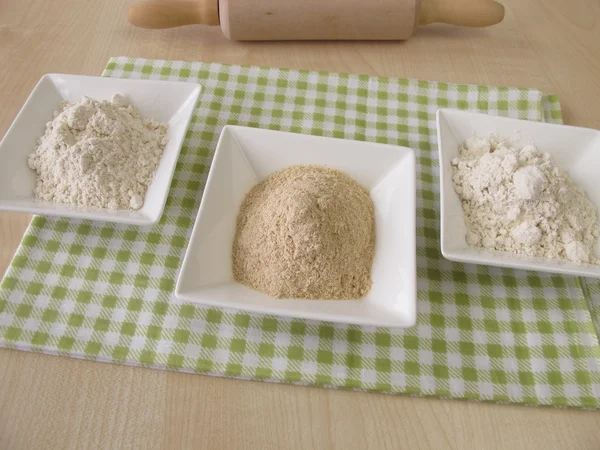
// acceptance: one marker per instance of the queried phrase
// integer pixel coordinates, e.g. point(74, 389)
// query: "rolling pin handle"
point(157, 14)
point(466, 13)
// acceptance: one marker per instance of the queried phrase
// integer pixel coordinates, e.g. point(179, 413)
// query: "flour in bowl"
point(517, 200)
point(99, 154)
point(306, 232)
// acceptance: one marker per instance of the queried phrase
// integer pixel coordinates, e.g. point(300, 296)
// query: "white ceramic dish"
point(576, 150)
point(245, 156)
point(164, 101)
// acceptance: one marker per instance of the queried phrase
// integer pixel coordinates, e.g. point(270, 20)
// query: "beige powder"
point(99, 154)
point(306, 232)
point(516, 199)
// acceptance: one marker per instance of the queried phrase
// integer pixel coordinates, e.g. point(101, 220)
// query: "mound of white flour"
point(98, 154)
point(517, 200)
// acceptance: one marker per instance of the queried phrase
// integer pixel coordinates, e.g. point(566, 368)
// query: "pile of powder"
point(97, 154)
point(306, 232)
point(517, 200)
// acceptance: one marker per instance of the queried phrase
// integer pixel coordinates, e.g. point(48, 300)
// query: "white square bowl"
point(164, 101)
point(246, 156)
point(575, 150)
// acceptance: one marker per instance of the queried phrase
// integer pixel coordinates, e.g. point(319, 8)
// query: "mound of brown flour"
point(306, 232)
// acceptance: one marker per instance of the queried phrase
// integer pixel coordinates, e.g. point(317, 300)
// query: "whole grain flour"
point(306, 232)
point(517, 200)
point(97, 154)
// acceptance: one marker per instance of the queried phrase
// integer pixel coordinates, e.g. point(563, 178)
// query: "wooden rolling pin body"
point(251, 20)
point(264, 20)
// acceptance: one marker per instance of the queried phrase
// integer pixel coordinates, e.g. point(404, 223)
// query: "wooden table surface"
point(60, 403)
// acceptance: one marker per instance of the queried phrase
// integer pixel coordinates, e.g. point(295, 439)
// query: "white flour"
point(517, 200)
point(98, 154)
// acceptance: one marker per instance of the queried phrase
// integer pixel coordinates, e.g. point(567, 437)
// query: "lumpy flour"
point(306, 232)
point(517, 200)
point(97, 154)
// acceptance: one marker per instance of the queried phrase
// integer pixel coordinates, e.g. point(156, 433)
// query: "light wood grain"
point(58, 403)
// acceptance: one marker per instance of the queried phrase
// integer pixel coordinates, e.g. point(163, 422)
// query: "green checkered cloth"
point(104, 292)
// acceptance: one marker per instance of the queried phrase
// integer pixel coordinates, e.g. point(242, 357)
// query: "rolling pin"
point(274, 20)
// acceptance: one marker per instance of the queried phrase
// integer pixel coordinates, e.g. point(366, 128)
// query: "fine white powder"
point(99, 154)
point(517, 200)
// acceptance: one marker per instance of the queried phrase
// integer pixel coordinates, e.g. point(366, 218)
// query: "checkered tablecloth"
point(105, 292)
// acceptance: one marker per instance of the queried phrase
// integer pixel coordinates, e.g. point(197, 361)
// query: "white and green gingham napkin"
point(105, 292)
